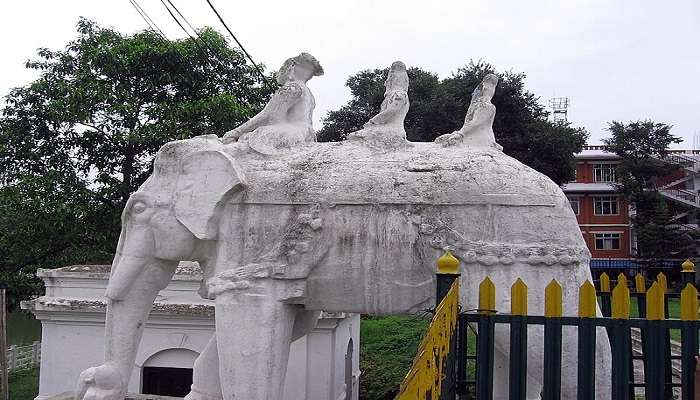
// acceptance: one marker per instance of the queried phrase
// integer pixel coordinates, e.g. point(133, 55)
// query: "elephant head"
point(177, 206)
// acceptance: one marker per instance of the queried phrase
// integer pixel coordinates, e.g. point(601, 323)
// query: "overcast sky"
point(615, 60)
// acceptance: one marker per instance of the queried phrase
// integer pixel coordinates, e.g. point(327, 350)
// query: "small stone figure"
point(477, 130)
point(286, 120)
point(386, 128)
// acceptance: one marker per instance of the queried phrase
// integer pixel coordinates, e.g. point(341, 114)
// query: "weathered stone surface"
point(284, 227)
point(478, 124)
point(386, 130)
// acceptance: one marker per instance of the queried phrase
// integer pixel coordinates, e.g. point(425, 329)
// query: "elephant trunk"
point(124, 275)
point(135, 252)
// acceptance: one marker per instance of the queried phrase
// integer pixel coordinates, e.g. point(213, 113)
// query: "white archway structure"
point(173, 358)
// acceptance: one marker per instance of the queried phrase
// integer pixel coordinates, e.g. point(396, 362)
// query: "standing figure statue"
point(285, 121)
point(386, 128)
point(477, 130)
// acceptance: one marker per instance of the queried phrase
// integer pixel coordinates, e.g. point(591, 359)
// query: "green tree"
point(76, 142)
point(439, 106)
point(659, 237)
point(644, 146)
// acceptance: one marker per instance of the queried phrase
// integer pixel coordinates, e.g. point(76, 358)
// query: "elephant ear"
point(206, 181)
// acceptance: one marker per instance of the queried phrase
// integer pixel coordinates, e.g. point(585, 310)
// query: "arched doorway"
point(348, 371)
point(168, 373)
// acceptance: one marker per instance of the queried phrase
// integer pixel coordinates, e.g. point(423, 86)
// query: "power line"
point(148, 19)
point(196, 33)
point(212, 51)
point(239, 44)
point(183, 17)
point(178, 22)
point(151, 24)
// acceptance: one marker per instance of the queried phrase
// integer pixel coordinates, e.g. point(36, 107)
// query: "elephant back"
point(345, 216)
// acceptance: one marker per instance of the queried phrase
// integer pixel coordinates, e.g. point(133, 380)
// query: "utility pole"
point(5, 393)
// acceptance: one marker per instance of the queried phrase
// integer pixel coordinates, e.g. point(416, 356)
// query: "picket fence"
point(21, 357)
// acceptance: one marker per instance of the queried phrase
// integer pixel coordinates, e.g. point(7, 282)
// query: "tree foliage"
point(76, 142)
point(643, 145)
point(439, 107)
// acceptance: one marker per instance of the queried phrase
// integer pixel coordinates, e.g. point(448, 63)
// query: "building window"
point(574, 202)
point(604, 172)
point(607, 241)
point(605, 205)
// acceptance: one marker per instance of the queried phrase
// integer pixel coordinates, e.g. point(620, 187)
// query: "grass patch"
point(24, 384)
point(387, 348)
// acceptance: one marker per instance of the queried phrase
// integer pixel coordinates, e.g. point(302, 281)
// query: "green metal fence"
point(441, 369)
point(652, 323)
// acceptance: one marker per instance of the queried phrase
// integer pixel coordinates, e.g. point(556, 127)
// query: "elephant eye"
point(138, 207)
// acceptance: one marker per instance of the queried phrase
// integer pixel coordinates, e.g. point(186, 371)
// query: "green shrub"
point(24, 384)
point(387, 348)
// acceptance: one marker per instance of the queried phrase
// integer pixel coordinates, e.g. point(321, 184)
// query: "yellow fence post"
point(640, 283)
point(663, 284)
point(689, 303)
point(655, 302)
point(621, 277)
point(657, 341)
point(487, 296)
point(687, 273)
point(619, 334)
point(518, 298)
point(553, 310)
point(621, 301)
point(587, 300)
point(604, 283)
point(553, 300)
point(605, 294)
point(517, 368)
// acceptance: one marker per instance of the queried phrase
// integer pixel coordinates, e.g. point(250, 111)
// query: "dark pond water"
point(22, 328)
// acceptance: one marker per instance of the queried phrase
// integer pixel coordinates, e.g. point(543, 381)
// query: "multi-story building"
point(604, 215)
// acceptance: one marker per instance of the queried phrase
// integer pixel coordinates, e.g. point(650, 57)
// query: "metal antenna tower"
point(559, 106)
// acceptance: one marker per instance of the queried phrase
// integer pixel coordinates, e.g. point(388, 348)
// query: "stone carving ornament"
point(285, 227)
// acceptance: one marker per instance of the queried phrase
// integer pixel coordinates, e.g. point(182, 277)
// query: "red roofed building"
point(604, 215)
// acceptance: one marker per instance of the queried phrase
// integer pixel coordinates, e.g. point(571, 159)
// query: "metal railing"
point(681, 160)
point(448, 368)
point(685, 196)
point(651, 322)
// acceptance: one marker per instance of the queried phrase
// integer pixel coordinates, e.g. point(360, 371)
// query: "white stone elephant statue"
point(285, 228)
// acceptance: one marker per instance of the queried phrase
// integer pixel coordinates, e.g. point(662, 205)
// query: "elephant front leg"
point(254, 331)
point(124, 327)
point(205, 380)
